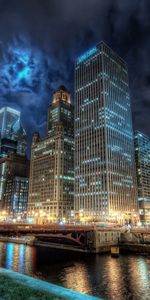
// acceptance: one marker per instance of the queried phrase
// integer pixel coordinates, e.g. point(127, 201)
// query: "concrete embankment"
point(16, 240)
point(21, 287)
point(136, 248)
point(104, 248)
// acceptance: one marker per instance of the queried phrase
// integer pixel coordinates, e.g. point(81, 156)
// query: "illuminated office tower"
point(12, 134)
point(14, 178)
point(105, 181)
point(142, 159)
point(51, 185)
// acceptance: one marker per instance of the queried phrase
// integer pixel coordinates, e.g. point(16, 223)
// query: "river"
point(126, 277)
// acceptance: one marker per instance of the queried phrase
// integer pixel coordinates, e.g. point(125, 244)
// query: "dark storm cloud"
point(40, 39)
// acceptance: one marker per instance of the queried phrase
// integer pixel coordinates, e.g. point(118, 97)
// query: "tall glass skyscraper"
point(12, 134)
point(142, 158)
point(13, 162)
point(14, 177)
point(105, 180)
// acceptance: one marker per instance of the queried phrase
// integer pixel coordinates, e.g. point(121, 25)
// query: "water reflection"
point(126, 277)
point(78, 277)
point(21, 258)
point(17, 257)
point(140, 277)
point(9, 255)
point(115, 278)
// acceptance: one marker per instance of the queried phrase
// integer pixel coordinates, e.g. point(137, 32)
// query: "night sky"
point(40, 40)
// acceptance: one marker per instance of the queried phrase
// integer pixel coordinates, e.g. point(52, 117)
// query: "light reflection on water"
point(115, 278)
point(126, 277)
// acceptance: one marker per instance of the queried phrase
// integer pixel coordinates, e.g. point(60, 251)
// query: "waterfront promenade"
point(21, 287)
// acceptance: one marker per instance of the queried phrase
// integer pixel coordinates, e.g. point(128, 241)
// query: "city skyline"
point(74, 149)
point(107, 92)
point(34, 65)
point(101, 80)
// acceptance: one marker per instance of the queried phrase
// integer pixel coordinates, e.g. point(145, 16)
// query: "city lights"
point(103, 191)
point(74, 175)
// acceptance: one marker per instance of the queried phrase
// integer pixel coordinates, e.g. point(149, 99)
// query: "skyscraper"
point(51, 185)
point(14, 177)
point(105, 181)
point(12, 134)
point(13, 162)
point(142, 158)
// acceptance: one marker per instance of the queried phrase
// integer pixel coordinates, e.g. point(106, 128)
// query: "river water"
point(126, 277)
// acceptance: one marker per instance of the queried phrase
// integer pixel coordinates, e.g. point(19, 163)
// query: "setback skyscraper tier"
point(51, 185)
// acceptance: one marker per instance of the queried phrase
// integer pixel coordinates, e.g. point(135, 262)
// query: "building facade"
point(105, 179)
point(14, 177)
point(51, 186)
point(142, 158)
point(12, 134)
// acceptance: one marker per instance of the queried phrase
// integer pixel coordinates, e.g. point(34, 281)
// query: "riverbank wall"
point(104, 248)
point(16, 240)
point(14, 285)
point(136, 248)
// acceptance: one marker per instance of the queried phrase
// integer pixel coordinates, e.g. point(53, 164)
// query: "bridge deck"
point(34, 228)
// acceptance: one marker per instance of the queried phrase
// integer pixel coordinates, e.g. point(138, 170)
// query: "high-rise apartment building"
point(14, 177)
point(12, 134)
point(105, 180)
point(142, 158)
point(51, 185)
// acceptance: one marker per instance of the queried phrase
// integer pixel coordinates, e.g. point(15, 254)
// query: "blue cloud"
point(22, 69)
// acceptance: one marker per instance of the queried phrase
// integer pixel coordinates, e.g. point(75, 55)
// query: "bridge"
point(24, 228)
point(72, 237)
point(36, 228)
point(135, 235)
point(85, 238)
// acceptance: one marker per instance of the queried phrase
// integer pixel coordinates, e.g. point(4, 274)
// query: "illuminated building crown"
point(61, 94)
